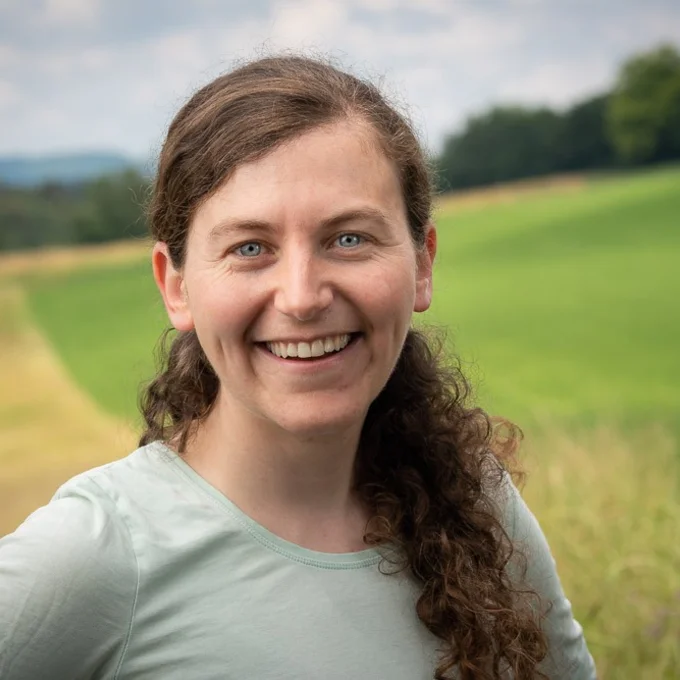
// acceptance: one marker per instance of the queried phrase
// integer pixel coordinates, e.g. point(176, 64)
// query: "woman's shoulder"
point(89, 515)
point(506, 502)
point(68, 582)
point(533, 566)
point(82, 535)
point(129, 474)
point(78, 524)
point(79, 533)
point(103, 518)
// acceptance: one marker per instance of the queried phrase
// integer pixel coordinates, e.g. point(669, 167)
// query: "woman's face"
point(300, 280)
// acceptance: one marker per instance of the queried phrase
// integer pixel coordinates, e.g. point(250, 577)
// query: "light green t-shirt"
point(141, 570)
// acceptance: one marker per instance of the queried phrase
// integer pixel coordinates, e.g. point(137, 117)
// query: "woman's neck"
point(298, 487)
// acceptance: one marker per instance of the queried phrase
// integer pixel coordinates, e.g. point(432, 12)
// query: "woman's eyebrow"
point(232, 225)
point(366, 214)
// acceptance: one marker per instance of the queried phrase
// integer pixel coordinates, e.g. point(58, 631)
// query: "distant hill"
point(64, 168)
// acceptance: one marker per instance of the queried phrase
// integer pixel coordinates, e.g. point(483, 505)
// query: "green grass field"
point(567, 303)
point(105, 324)
point(563, 306)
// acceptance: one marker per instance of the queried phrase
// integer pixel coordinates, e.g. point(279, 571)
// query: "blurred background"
point(554, 129)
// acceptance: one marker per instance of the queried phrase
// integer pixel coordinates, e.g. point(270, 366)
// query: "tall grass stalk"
point(610, 507)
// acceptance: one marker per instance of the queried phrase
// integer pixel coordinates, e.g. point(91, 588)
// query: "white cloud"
point(559, 84)
point(305, 23)
point(72, 12)
point(435, 6)
point(444, 59)
point(9, 95)
point(186, 51)
point(9, 56)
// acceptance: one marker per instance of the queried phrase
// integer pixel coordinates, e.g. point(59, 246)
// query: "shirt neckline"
point(288, 549)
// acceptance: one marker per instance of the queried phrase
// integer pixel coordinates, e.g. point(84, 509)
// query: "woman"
point(312, 497)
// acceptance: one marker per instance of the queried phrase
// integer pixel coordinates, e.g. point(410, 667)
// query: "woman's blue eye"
point(349, 240)
point(249, 249)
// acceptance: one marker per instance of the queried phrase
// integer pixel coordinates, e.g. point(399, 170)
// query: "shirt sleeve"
point(568, 656)
point(68, 581)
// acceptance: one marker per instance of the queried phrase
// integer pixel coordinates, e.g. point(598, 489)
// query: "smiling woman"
point(312, 494)
point(324, 252)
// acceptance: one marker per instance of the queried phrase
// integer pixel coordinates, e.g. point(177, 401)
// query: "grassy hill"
point(565, 300)
point(559, 302)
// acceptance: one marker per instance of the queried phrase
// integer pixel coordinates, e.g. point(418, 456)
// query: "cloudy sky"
point(109, 74)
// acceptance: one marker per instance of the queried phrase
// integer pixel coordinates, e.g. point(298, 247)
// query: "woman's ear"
point(172, 287)
point(425, 260)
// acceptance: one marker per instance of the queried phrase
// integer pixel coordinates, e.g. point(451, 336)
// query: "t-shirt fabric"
point(141, 570)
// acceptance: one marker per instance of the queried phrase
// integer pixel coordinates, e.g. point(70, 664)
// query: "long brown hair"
point(423, 466)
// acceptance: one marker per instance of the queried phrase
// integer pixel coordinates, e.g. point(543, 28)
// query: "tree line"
point(636, 123)
point(105, 209)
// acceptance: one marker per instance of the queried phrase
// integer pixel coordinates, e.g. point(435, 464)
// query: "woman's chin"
point(313, 422)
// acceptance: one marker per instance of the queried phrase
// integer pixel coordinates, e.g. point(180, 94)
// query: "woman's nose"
point(303, 290)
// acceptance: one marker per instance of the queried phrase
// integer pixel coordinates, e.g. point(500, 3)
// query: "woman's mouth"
point(314, 349)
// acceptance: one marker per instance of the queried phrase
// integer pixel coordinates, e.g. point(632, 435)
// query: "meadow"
point(560, 301)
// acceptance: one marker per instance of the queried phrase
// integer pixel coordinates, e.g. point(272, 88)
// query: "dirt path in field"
point(50, 430)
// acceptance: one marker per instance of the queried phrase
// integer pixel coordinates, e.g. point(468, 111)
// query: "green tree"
point(583, 140)
point(507, 142)
point(30, 218)
point(114, 209)
point(644, 111)
point(105, 209)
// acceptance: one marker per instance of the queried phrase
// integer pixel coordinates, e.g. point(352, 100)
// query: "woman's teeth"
point(309, 350)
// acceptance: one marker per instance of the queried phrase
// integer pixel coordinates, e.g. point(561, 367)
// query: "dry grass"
point(50, 429)
point(54, 260)
point(610, 507)
point(510, 191)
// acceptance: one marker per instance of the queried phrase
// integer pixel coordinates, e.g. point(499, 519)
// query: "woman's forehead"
point(318, 173)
